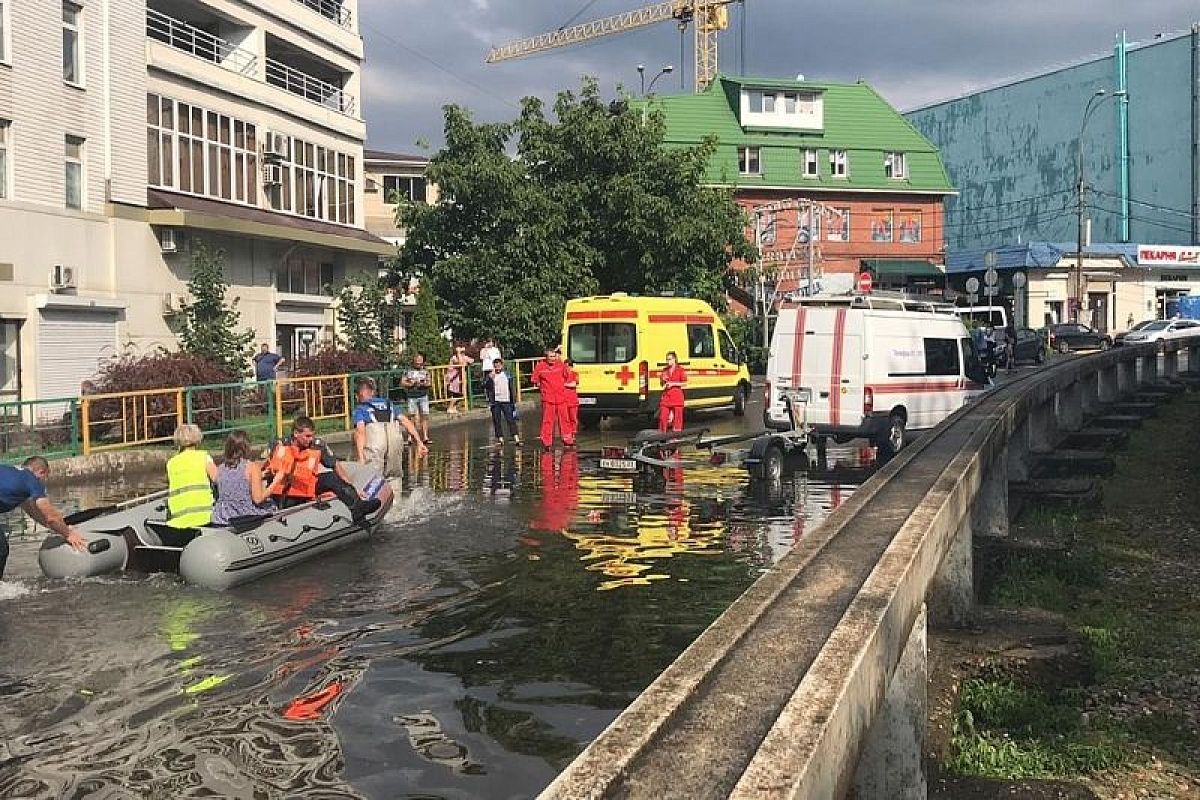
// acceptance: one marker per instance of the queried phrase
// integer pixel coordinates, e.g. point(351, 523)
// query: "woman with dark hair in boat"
point(241, 492)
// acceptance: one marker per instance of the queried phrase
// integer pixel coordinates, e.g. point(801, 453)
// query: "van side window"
point(602, 342)
point(728, 351)
point(941, 357)
point(701, 343)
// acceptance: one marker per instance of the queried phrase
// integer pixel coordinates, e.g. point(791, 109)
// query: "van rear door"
point(827, 360)
point(603, 348)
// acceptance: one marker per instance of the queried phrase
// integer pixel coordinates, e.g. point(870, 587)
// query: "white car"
point(1163, 329)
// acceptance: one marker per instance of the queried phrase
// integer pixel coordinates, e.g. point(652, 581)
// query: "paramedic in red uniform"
point(572, 398)
point(550, 376)
point(670, 404)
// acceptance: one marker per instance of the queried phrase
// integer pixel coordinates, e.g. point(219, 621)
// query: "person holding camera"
point(416, 388)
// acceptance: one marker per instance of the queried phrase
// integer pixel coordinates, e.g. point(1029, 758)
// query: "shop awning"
point(910, 267)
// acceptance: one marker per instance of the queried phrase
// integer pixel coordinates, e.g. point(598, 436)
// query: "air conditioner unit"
point(173, 302)
point(272, 174)
point(62, 278)
point(275, 146)
point(167, 241)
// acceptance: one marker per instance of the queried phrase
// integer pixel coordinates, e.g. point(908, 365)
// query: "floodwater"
point(508, 609)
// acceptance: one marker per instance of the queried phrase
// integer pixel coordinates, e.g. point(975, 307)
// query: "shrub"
point(330, 361)
point(366, 318)
point(425, 335)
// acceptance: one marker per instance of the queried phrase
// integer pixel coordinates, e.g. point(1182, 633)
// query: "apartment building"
point(391, 177)
point(236, 124)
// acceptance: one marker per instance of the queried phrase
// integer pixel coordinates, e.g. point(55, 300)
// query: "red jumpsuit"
point(670, 405)
point(550, 380)
point(572, 402)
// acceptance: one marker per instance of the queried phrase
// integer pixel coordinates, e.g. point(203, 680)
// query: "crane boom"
point(708, 17)
point(617, 23)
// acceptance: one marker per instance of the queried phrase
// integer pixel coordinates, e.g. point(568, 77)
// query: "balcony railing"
point(201, 44)
point(189, 39)
point(330, 9)
point(308, 87)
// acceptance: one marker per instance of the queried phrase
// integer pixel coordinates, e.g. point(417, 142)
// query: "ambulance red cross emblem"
point(625, 375)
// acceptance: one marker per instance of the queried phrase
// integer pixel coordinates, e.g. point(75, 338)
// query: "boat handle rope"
point(275, 537)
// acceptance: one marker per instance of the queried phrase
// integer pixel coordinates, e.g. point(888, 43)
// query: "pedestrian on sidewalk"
point(501, 392)
point(456, 377)
point(571, 384)
point(488, 353)
point(416, 388)
point(549, 376)
point(267, 364)
point(670, 403)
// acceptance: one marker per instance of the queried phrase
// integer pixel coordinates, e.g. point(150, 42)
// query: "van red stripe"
point(835, 376)
point(920, 388)
point(798, 347)
point(602, 314)
point(694, 319)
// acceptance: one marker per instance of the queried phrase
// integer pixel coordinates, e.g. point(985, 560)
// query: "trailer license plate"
point(619, 464)
point(587, 401)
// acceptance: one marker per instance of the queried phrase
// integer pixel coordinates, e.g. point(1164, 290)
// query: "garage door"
point(71, 346)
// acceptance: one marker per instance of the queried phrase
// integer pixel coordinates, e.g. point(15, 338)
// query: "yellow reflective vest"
point(189, 493)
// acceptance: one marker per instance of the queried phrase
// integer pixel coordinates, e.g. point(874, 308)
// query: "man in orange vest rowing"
point(303, 467)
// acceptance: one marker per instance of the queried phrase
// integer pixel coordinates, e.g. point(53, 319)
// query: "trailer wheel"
point(893, 439)
point(770, 468)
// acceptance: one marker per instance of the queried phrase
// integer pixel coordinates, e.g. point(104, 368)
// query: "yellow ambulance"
point(619, 344)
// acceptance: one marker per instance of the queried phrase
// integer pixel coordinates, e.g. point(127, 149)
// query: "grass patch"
point(1052, 584)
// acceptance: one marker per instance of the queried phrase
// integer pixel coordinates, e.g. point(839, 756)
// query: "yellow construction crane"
point(708, 18)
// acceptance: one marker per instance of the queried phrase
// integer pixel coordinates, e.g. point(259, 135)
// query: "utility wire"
point(578, 14)
point(1155, 206)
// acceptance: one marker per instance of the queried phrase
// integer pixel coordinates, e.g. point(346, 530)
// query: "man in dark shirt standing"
point(266, 364)
point(25, 487)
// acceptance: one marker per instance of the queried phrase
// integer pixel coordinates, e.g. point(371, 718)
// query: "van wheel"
point(739, 401)
point(1064, 347)
point(893, 439)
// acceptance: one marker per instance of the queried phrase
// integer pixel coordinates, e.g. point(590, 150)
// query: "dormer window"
point(780, 109)
point(894, 166)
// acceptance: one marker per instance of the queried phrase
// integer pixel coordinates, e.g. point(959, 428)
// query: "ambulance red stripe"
point(602, 315)
point(694, 319)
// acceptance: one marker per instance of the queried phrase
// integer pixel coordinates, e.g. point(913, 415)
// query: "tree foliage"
point(209, 323)
point(591, 202)
point(425, 333)
point(367, 318)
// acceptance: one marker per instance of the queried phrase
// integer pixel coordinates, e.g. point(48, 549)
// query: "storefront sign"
point(1151, 255)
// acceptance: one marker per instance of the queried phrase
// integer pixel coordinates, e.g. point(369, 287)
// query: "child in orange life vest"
point(571, 384)
point(670, 404)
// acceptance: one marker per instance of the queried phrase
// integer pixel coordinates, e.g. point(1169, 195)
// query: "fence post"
point(279, 408)
point(180, 417)
point(346, 399)
point(517, 377)
point(84, 413)
point(75, 403)
point(187, 402)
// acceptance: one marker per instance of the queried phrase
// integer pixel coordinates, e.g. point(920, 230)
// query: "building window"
point(197, 151)
point(74, 173)
point(894, 166)
point(839, 163)
point(72, 68)
point(318, 182)
point(4, 126)
point(4, 31)
point(839, 225)
point(10, 348)
point(749, 161)
point(762, 102)
point(304, 276)
point(882, 222)
point(910, 226)
point(408, 187)
point(811, 168)
point(811, 228)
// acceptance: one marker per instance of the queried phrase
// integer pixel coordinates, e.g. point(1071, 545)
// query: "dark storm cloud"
point(422, 54)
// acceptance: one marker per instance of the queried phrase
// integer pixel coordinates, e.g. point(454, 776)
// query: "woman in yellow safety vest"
point(190, 477)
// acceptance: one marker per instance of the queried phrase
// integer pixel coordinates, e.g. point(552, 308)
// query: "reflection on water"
point(513, 603)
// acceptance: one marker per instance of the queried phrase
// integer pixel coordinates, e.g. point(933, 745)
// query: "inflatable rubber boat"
point(135, 536)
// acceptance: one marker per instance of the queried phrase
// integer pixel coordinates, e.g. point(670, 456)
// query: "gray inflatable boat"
point(135, 536)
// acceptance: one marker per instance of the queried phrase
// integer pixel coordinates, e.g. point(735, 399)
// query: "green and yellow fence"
point(66, 426)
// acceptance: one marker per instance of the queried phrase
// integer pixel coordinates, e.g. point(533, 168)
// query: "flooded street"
point(510, 606)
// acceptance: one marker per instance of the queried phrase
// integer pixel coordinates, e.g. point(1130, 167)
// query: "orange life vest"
point(295, 471)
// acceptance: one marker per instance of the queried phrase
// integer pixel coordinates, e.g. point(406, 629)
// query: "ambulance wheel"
point(893, 438)
point(739, 401)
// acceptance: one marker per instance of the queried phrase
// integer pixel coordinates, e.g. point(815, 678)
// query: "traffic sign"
point(972, 285)
point(1018, 280)
point(991, 291)
point(864, 282)
point(972, 298)
point(991, 277)
point(990, 259)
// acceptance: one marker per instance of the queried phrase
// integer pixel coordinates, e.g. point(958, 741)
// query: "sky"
point(424, 54)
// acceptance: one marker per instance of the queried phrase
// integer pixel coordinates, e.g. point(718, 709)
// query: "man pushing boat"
point(376, 438)
point(24, 487)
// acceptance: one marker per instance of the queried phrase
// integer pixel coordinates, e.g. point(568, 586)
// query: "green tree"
point(425, 334)
point(592, 202)
point(209, 324)
point(367, 317)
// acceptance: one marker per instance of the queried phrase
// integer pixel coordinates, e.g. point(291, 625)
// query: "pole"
point(1079, 211)
point(812, 235)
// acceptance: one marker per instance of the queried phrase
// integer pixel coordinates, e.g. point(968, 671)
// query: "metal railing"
point(312, 89)
point(330, 9)
point(189, 39)
point(47, 428)
point(130, 419)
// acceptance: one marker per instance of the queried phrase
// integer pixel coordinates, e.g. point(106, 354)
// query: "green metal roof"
point(901, 266)
point(856, 119)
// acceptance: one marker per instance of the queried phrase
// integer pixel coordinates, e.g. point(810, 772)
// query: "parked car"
point(1068, 336)
point(1162, 329)
point(1119, 339)
point(1029, 347)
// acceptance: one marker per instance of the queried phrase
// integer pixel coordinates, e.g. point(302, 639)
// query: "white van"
point(868, 366)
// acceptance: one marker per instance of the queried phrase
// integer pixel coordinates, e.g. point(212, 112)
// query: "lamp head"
point(669, 68)
point(641, 67)
point(1120, 93)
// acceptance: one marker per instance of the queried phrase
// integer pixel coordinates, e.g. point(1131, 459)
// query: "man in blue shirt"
point(372, 416)
point(25, 487)
point(266, 364)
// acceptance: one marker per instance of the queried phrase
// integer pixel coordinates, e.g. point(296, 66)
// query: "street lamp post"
point(667, 70)
point(1080, 189)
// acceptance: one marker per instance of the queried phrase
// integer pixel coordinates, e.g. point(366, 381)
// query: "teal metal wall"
point(1010, 151)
